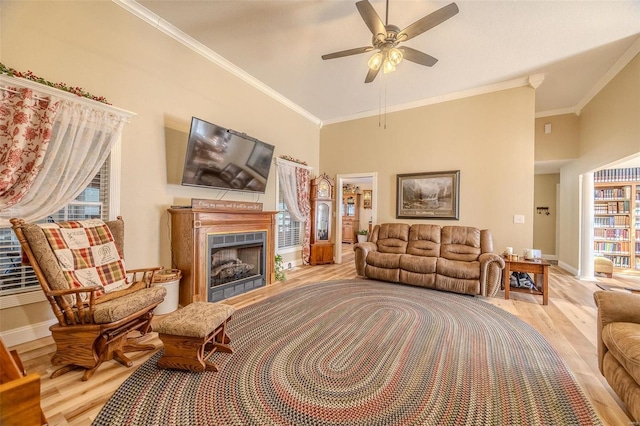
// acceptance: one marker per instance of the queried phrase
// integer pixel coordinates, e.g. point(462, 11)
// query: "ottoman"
point(192, 334)
point(603, 265)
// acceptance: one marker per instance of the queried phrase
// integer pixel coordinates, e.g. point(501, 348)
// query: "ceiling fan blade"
point(349, 52)
point(417, 56)
point(371, 18)
point(428, 22)
point(371, 75)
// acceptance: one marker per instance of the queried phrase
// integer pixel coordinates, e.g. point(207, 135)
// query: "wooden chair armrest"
point(154, 268)
point(75, 291)
point(147, 274)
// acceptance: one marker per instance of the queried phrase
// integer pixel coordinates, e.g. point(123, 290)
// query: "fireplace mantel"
point(190, 228)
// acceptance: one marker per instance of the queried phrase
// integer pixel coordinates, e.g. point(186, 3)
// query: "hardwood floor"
point(568, 323)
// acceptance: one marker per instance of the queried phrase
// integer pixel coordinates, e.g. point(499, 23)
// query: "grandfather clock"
point(321, 220)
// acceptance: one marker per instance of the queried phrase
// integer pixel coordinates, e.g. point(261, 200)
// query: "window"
point(92, 203)
point(289, 230)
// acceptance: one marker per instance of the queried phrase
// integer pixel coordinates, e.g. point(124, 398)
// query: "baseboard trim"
point(27, 333)
point(568, 268)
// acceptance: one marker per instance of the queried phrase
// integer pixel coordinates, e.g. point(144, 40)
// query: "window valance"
point(52, 143)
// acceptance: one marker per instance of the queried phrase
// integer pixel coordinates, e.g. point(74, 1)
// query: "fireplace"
point(235, 264)
point(207, 240)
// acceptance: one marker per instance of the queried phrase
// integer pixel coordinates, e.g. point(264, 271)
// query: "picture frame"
point(367, 198)
point(260, 159)
point(428, 195)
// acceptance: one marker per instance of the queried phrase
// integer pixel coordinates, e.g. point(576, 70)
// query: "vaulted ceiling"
point(280, 44)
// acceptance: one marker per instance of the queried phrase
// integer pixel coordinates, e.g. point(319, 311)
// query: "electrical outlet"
point(289, 265)
point(518, 218)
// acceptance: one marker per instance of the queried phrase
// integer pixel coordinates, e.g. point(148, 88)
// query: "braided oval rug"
point(362, 352)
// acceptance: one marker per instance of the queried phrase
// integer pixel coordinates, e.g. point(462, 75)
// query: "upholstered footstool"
point(193, 333)
point(603, 265)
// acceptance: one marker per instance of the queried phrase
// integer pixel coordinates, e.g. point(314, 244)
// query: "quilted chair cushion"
point(46, 259)
point(117, 231)
point(117, 309)
point(460, 243)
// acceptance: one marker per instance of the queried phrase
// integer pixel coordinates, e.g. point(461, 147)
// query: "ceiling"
point(280, 43)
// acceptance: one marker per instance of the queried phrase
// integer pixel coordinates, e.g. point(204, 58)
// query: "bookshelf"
point(616, 223)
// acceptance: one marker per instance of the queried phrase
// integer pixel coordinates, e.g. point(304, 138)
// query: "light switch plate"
point(518, 218)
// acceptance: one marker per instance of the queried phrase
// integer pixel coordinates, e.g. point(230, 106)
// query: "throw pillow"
point(87, 254)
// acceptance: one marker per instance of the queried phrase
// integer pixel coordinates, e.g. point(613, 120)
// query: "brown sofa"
point(451, 258)
point(618, 337)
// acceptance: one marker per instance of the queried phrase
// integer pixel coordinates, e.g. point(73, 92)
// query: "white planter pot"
point(362, 238)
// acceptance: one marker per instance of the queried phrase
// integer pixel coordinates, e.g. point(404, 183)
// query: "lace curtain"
point(294, 184)
point(81, 137)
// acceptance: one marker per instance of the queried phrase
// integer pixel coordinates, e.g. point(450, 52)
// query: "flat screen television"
point(224, 159)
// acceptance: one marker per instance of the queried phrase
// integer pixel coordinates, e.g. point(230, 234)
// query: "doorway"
point(363, 181)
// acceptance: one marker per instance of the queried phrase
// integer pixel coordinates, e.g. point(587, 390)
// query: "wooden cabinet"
point(616, 227)
point(321, 197)
point(350, 217)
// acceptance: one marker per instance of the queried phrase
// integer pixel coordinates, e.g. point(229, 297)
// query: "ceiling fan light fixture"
point(395, 56)
point(375, 62)
point(388, 66)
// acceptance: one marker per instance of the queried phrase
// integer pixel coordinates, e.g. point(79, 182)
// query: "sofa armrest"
point(361, 250)
point(614, 307)
point(491, 266)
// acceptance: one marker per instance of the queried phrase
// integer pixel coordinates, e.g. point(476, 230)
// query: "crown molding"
point(163, 26)
point(624, 60)
point(531, 81)
point(559, 111)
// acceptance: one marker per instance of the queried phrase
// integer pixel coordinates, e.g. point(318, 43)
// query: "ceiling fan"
point(387, 37)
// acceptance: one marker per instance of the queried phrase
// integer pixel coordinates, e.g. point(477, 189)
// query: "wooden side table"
point(536, 267)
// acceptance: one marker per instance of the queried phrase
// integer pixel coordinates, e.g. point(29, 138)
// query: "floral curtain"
point(294, 183)
point(26, 123)
point(79, 142)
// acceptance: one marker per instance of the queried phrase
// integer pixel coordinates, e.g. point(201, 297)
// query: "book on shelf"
point(628, 174)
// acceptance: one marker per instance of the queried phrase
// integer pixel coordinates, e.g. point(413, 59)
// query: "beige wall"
point(609, 128)
point(563, 141)
point(104, 49)
point(489, 138)
point(544, 226)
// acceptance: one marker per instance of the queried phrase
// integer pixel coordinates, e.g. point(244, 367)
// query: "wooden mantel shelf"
point(190, 228)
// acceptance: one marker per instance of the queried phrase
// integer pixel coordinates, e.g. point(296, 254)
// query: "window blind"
point(92, 203)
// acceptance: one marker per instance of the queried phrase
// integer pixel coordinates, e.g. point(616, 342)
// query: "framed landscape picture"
point(429, 195)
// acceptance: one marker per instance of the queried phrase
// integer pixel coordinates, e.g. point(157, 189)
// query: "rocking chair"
point(95, 314)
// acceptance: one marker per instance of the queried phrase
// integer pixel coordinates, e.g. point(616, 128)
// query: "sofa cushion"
point(383, 260)
point(382, 274)
point(457, 285)
point(393, 238)
point(458, 269)
point(460, 243)
point(418, 279)
point(418, 264)
point(623, 341)
point(424, 240)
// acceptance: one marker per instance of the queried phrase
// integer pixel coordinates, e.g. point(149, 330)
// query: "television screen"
point(225, 159)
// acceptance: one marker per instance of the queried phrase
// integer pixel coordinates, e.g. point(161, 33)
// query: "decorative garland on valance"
point(79, 91)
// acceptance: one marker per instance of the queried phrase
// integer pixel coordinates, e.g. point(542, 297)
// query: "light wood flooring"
point(568, 323)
